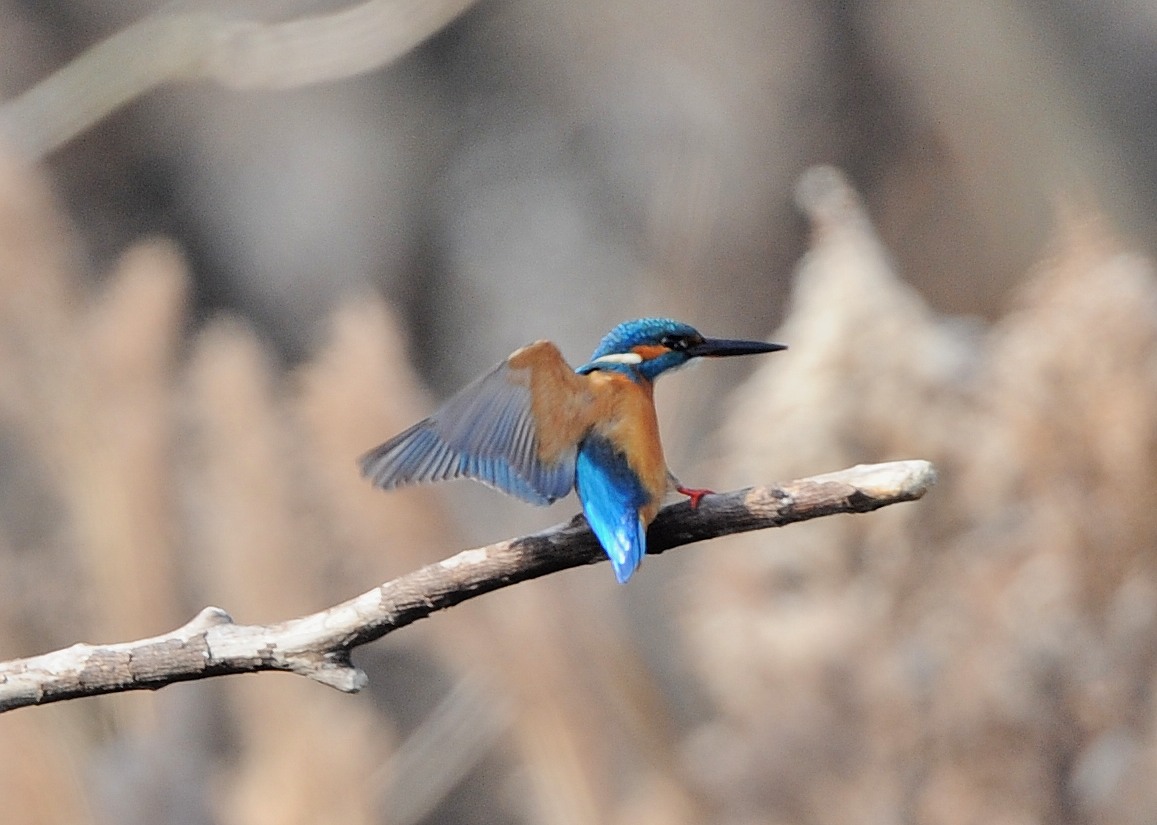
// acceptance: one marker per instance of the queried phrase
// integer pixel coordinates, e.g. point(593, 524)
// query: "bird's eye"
point(674, 342)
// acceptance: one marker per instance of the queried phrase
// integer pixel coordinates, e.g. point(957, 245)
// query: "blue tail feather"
point(612, 496)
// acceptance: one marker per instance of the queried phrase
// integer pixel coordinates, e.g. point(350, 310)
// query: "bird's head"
point(648, 347)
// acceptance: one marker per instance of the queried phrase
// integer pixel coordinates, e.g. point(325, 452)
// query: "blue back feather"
point(611, 495)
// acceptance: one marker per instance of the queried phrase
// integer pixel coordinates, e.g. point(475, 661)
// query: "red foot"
point(694, 493)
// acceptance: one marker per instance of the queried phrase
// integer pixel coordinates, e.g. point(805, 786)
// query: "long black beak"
point(722, 347)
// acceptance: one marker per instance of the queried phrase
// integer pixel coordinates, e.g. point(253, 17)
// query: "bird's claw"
point(694, 493)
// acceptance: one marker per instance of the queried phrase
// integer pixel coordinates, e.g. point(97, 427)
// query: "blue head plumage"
point(647, 347)
point(644, 347)
point(641, 332)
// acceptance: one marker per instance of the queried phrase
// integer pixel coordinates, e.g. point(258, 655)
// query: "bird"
point(535, 428)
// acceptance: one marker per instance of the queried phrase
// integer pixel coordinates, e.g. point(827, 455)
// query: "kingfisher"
point(535, 428)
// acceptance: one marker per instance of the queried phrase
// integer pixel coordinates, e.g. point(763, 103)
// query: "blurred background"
point(213, 300)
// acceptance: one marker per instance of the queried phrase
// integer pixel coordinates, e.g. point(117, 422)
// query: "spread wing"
point(612, 497)
point(516, 429)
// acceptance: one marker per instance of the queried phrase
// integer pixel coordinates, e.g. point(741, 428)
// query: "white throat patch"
point(620, 358)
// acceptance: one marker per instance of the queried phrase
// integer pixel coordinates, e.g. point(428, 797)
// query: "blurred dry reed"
point(176, 485)
point(192, 470)
point(986, 656)
point(983, 656)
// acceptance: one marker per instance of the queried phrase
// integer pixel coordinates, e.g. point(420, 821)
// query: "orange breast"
point(566, 406)
point(624, 414)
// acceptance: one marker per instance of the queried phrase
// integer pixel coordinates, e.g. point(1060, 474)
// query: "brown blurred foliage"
point(191, 360)
point(982, 656)
point(985, 656)
point(152, 472)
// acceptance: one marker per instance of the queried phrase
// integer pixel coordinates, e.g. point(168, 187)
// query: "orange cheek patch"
point(649, 351)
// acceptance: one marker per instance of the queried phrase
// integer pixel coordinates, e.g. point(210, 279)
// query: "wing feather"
point(490, 432)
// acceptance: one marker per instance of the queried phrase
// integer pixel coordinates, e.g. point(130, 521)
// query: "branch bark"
point(319, 645)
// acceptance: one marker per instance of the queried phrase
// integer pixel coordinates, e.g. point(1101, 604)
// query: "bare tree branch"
point(319, 645)
point(242, 54)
